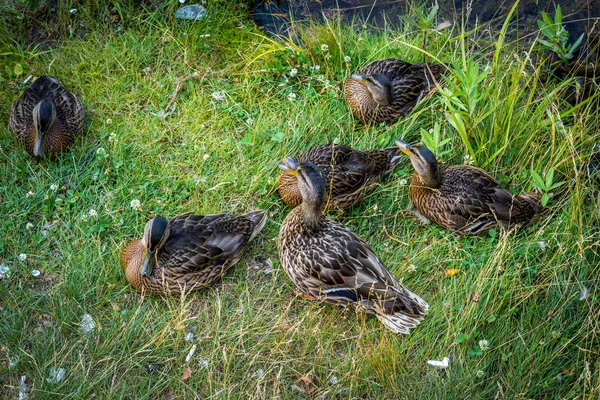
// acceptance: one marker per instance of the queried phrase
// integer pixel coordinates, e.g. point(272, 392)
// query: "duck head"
point(378, 85)
point(424, 163)
point(156, 233)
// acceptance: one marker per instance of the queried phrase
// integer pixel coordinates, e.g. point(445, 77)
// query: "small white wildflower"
point(219, 96)
point(336, 140)
point(112, 138)
point(206, 157)
point(13, 362)
point(182, 1)
point(347, 59)
point(484, 345)
point(249, 121)
point(445, 363)
point(292, 96)
point(22, 257)
point(135, 204)
point(4, 271)
point(403, 182)
point(44, 233)
point(29, 225)
point(333, 380)
point(479, 373)
point(54, 187)
point(260, 372)
point(543, 245)
point(203, 363)
point(56, 375)
point(30, 194)
point(375, 208)
point(101, 152)
point(468, 159)
point(146, 70)
point(293, 72)
point(35, 273)
point(542, 342)
point(109, 121)
point(412, 268)
point(93, 213)
point(324, 47)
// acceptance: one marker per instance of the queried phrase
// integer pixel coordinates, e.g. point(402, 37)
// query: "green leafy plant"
point(545, 184)
point(433, 140)
point(556, 36)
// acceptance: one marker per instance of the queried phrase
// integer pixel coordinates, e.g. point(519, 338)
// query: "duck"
point(463, 198)
point(47, 117)
point(350, 174)
point(387, 89)
point(326, 261)
point(188, 252)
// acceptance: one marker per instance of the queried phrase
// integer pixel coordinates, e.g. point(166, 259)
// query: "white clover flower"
point(412, 268)
point(347, 59)
point(29, 225)
point(4, 271)
point(203, 363)
point(22, 257)
point(317, 68)
point(112, 138)
point(249, 121)
point(206, 157)
point(479, 373)
point(109, 121)
point(292, 96)
point(333, 380)
point(35, 273)
point(135, 204)
point(324, 48)
point(93, 213)
point(293, 72)
point(101, 152)
point(336, 140)
point(484, 345)
point(468, 159)
point(30, 194)
point(54, 187)
point(403, 182)
point(375, 208)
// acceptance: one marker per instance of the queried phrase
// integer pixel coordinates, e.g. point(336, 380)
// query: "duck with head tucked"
point(328, 262)
point(188, 252)
point(349, 174)
point(388, 89)
point(47, 117)
point(463, 198)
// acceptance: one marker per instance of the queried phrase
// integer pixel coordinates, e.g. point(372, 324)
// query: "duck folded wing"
point(390, 67)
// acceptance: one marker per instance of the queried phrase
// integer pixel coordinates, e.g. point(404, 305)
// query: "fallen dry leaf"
point(449, 273)
point(187, 374)
point(308, 383)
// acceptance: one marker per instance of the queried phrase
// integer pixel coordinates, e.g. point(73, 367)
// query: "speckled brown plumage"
point(67, 124)
point(349, 174)
point(466, 199)
point(410, 83)
point(198, 251)
point(328, 262)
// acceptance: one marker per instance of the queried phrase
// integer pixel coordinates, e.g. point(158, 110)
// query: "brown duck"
point(188, 252)
point(328, 262)
point(386, 90)
point(47, 117)
point(349, 174)
point(463, 198)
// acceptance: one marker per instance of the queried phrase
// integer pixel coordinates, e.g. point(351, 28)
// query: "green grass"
point(543, 340)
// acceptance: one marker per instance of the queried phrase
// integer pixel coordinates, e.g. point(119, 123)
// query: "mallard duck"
point(388, 89)
point(328, 262)
point(188, 252)
point(349, 173)
point(47, 117)
point(463, 198)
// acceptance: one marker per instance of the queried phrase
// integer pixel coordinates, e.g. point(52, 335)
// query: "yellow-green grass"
point(255, 338)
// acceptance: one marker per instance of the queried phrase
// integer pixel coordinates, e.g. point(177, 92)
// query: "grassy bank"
point(216, 147)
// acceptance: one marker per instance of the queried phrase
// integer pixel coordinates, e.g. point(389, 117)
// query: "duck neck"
point(430, 180)
point(311, 213)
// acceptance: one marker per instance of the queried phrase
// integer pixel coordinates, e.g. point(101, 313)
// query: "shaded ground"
point(275, 16)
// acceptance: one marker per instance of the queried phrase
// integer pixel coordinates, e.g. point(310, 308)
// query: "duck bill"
point(362, 79)
point(147, 265)
point(290, 166)
point(38, 145)
point(403, 146)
